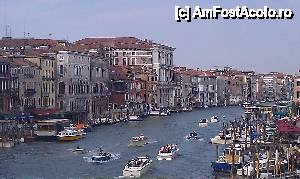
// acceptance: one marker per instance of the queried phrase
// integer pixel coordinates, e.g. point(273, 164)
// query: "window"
point(61, 88)
point(124, 61)
point(298, 83)
point(133, 61)
point(298, 94)
point(116, 61)
point(132, 53)
point(52, 88)
point(61, 69)
point(102, 72)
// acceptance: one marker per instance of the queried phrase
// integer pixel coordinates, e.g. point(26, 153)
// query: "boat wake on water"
point(99, 156)
point(152, 141)
point(114, 156)
point(187, 138)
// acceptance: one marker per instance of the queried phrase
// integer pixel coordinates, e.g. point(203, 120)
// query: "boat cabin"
point(50, 128)
point(233, 154)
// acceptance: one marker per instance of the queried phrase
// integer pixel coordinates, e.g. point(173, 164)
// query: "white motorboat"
point(134, 118)
point(219, 140)
point(73, 128)
point(205, 106)
point(154, 113)
point(137, 167)
point(263, 162)
point(203, 123)
point(167, 152)
point(214, 119)
point(222, 138)
point(138, 141)
point(165, 112)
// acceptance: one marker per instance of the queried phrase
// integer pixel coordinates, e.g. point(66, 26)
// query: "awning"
point(45, 112)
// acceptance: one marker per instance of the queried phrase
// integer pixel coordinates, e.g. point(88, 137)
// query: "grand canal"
point(56, 159)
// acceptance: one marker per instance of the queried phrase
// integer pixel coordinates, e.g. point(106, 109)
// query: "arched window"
point(61, 88)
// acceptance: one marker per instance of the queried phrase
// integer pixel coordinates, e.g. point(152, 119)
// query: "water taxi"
point(137, 167)
point(48, 129)
point(167, 152)
point(69, 135)
point(138, 141)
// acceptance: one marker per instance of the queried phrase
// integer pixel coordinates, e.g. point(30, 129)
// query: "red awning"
point(285, 126)
point(44, 112)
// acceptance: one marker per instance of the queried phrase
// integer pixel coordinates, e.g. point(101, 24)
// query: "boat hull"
point(69, 138)
point(167, 156)
point(218, 140)
point(137, 143)
point(136, 173)
point(203, 124)
point(101, 159)
point(224, 167)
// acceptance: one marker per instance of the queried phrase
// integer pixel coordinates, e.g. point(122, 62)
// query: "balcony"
point(45, 94)
point(29, 92)
point(28, 75)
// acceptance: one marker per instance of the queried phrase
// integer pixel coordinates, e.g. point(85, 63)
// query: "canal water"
point(56, 159)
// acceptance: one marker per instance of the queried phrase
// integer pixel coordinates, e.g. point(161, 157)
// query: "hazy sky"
point(261, 45)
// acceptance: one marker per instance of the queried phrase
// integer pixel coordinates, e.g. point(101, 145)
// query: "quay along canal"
point(57, 160)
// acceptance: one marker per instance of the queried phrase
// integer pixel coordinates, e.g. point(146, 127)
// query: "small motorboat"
point(137, 167)
point(154, 113)
point(214, 119)
point(79, 150)
point(263, 163)
point(193, 135)
point(203, 123)
point(205, 106)
point(165, 112)
point(224, 137)
point(134, 118)
point(138, 141)
point(102, 156)
point(167, 152)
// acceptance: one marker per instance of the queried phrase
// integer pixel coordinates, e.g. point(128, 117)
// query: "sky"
point(260, 45)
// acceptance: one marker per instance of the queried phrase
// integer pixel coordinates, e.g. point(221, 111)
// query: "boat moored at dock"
point(49, 129)
point(230, 160)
